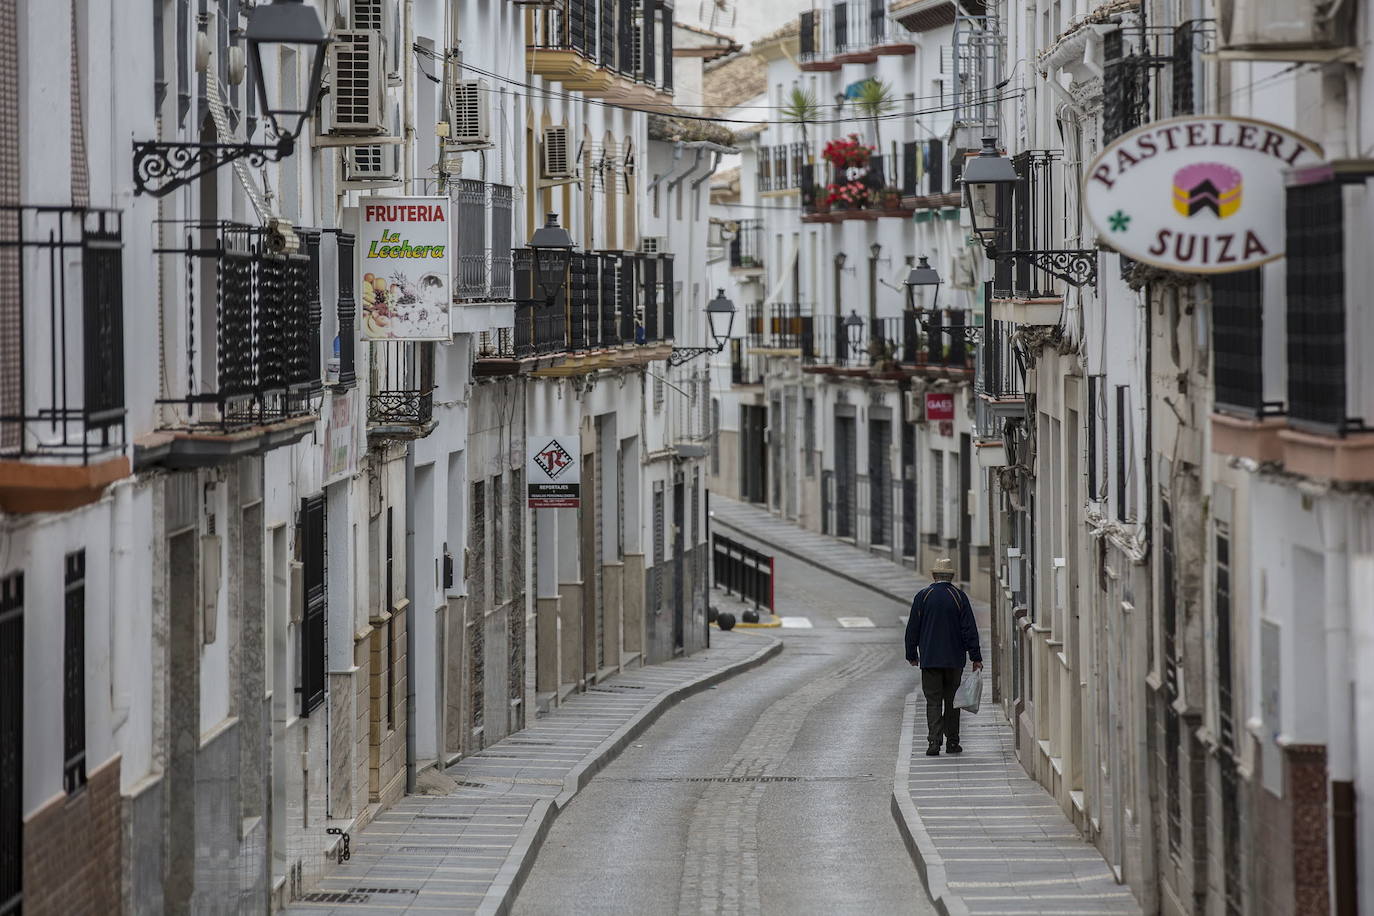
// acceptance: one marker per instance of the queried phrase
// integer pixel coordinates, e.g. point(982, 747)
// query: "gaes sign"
point(553, 472)
point(1196, 194)
point(404, 267)
point(939, 406)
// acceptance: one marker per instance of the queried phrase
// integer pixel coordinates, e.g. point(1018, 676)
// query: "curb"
point(798, 555)
point(773, 623)
point(927, 859)
point(501, 895)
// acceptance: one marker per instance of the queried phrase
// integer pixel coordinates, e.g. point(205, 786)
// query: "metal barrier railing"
point(742, 571)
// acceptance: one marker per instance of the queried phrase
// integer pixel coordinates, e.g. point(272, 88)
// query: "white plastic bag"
point(970, 693)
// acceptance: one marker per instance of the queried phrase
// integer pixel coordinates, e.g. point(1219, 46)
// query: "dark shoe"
point(953, 747)
point(932, 750)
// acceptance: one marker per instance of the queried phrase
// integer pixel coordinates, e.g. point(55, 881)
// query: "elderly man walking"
point(939, 633)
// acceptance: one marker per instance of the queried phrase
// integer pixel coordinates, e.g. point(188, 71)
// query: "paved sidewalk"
point(986, 838)
point(469, 851)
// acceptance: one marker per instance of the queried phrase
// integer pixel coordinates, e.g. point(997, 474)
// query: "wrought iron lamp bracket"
point(972, 332)
point(682, 355)
point(1075, 266)
point(160, 167)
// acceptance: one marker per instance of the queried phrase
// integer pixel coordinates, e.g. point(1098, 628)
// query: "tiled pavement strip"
point(986, 838)
point(468, 852)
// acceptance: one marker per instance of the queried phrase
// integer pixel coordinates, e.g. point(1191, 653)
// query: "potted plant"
point(821, 195)
point(891, 199)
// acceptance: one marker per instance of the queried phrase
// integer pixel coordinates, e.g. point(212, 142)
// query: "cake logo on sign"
point(1207, 186)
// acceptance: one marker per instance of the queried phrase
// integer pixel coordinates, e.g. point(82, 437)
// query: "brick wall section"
point(72, 850)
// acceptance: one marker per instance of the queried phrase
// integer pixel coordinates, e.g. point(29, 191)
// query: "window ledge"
point(1248, 438)
point(1340, 458)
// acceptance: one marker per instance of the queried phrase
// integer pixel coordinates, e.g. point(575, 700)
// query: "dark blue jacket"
point(941, 628)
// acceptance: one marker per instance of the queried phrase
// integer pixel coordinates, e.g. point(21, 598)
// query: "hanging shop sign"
point(553, 472)
point(405, 268)
point(939, 405)
point(341, 438)
point(1196, 194)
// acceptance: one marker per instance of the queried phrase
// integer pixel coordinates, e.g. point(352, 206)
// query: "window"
point(1226, 725)
point(658, 544)
point(347, 311)
point(1238, 342)
point(311, 548)
point(715, 436)
point(937, 501)
point(74, 675)
point(1097, 412)
point(11, 741)
point(809, 435)
point(655, 196)
point(1122, 439)
point(498, 542)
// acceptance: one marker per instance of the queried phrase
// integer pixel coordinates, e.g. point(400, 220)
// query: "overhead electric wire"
point(540, 93)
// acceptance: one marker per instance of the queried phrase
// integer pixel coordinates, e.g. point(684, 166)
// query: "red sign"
point(939, 406)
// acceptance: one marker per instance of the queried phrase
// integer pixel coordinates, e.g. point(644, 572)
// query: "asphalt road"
point(769, 794)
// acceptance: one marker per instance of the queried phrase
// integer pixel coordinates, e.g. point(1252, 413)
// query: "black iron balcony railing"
point(844, 32)
point(905, 342)
point(401, 392)
point(829, 192)
point(923, 168)
point(780, 167)
point(745, 368)
point(1319, 396)
point(777, 326)
point(746, 248)
point(251, 321)
point(502, 210)
point(1032, 260)
point(1002, 369)
point(539, 331)
point(62, 360)
point(1238, 344)
point(632, 38)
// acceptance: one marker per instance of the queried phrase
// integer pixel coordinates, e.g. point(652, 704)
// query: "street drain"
point(443, 817)
point(384, 890)
point(527, 742)
point(333, 897)
point(423, 850)
point(762, 778)
point(472, 785)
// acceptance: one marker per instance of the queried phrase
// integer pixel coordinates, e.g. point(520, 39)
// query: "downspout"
point(678, 147)
point(696, 164)
point(412, 608)
point(697, 182)
point(408, 112)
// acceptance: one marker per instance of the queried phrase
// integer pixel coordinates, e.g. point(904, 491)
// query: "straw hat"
point(943, 567)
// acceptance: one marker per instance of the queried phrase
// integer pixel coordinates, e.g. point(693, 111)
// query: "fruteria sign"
point(553, 473)
point(1196, 195)
point(939, 406)
point(405, 268)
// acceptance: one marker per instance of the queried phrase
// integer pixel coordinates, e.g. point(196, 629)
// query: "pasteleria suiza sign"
point(405, 268)
point(1196, 194)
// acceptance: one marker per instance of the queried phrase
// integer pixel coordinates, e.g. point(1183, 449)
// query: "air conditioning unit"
point(1274, 25)
point(469, 119)
point(373, 163)
point(653, 244)
point(556, 160)
point(357, 88)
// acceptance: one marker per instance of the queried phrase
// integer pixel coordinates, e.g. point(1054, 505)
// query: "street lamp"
point(720, 320)
point(854, 331)
point(924, 277)
point(984, 177)
point(840, 259)
point(875, 250)
point(161, 167)
point(286, 22)
point(551, 246)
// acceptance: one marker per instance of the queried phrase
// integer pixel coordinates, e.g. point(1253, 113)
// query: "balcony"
point(746, 248)
point(854, 32)
point(1001, 378)
point(874, 192)
point(926, 180)
point(616, 309)
point(622, 53)
point(891, 348)
point(243, 356)
point(781, 169)
point(1329, 392)
point(778, 329)
point(62, 433)
point(1243, 422)
point(400, 394)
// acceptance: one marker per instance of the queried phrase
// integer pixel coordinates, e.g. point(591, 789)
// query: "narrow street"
point(768, 794)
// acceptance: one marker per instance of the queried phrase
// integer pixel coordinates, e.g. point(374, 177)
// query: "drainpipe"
point(412, 609)
point(678, 147)
point(697, 182)
point(696, 164)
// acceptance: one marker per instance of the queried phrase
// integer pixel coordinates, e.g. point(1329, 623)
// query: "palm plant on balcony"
point(801, 108)
point(874, 99)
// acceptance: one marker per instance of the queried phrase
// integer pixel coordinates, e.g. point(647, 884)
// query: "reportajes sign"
point(1196, 194)
point(404, 268)
point(553, 472)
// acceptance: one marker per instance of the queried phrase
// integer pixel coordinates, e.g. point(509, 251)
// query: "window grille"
point(648, 65)
point(1226, 722)
point(389, 603)
point(347, 309)
point(74, 675)
point(1238, 342)
point(1122, 438)
point(1316, 309)
point(472, 239)
point(658, 545)
point(501, 235)
point(311, 534)
point(498, 542)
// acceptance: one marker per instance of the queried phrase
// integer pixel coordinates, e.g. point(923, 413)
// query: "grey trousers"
point(942, 716)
